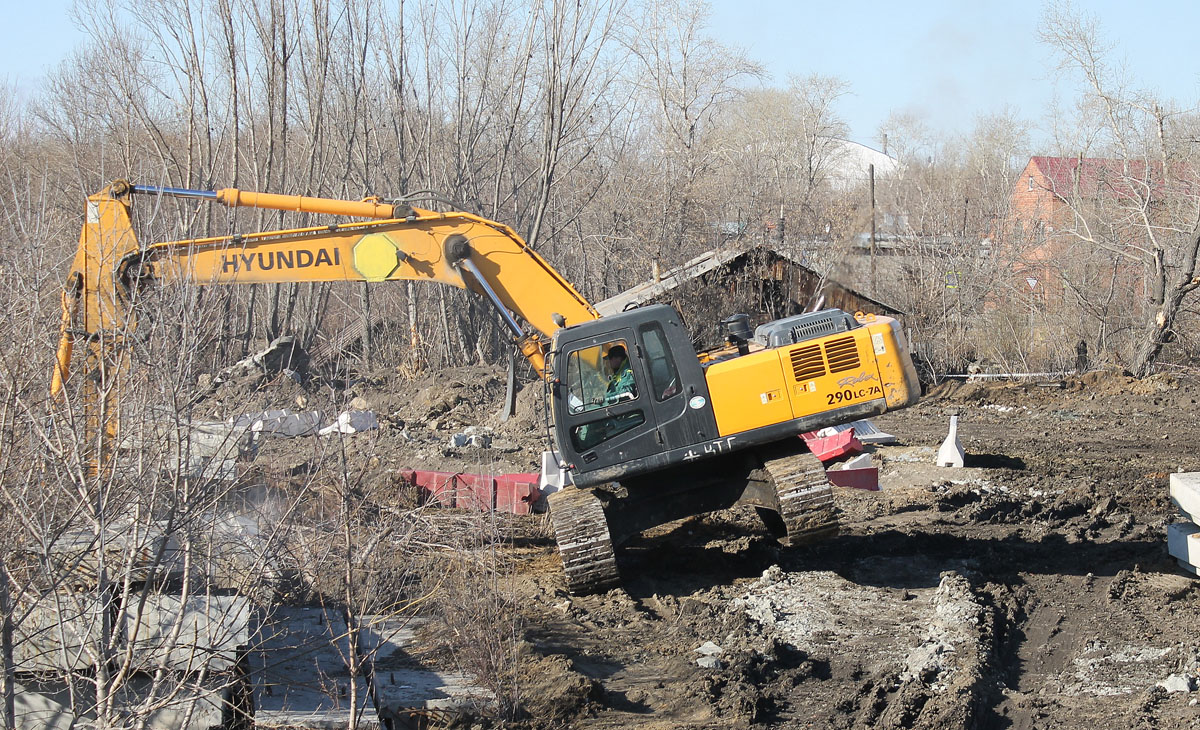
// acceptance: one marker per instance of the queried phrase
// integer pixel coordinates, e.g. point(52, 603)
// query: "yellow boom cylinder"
point(235, 198)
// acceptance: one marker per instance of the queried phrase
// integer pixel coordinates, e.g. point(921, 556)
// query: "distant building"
point(850, 163)
point(1055, 194)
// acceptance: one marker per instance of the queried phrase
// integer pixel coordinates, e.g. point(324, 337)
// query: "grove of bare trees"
point(616, 136)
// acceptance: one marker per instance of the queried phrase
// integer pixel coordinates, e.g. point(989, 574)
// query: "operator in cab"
point(620, 382)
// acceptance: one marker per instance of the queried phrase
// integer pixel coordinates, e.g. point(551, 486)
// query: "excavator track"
point(584, 542)
point(805, 498)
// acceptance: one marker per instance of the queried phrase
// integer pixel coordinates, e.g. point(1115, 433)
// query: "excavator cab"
point(608, 435)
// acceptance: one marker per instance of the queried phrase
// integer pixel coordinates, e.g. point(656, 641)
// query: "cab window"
point(664, 378)
point(599, 376)
point(588, 435)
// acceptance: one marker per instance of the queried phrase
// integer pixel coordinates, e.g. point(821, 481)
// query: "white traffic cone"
point(951, 452)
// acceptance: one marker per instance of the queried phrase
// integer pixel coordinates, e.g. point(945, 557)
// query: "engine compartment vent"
point(842, 354)
point(807, 362)
point(793, 330)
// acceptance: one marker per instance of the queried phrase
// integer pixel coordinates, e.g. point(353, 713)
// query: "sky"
point(947, 61)
point(953, 61)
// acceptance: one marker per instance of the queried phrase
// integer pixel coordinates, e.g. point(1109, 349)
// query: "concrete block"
point(58, 632)
point(1183, 543)
point(175, 706)
point(1177, 683)
point(169, 706)
point(300, 676)
point(36, 711)
point(1185, 494)
point(145, 548)
point(188, 635)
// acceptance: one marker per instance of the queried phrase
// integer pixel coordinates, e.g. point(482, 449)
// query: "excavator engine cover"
point(790, 330)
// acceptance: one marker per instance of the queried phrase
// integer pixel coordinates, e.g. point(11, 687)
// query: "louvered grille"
point(807, 362)
point(842, 354)
point(817, 326)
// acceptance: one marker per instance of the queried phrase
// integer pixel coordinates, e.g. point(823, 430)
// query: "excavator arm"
point(400, 243)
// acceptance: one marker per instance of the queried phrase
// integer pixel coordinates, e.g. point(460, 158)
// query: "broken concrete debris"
point(283, 422)
point(710, 656)
point(349, 422)
point(1183, 538)
point(473, 436)
point(1178, 683)
point(284, 355)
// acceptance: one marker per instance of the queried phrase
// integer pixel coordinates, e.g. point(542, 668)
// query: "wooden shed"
point(759, 281)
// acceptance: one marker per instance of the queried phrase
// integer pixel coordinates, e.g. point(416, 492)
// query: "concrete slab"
point(177, 706)
point(188, 635)
point(145, 548)
point(866, 432)
point(1185, 494)
point(35, 711)
point(283, 422)
point(57, 633)
point(403, 687)
point(1183, 543)
point(169, 706)
point(299, 675)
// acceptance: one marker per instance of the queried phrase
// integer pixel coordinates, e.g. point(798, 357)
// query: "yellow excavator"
point(688, 433)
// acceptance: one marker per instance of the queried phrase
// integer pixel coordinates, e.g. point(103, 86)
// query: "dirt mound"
point(1029, 589)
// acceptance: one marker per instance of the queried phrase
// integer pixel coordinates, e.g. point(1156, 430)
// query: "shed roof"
point(697, 267)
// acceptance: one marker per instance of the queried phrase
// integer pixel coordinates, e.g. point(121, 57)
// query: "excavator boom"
point(401, 243)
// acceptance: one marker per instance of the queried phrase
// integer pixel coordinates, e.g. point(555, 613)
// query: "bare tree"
point(1145, 209)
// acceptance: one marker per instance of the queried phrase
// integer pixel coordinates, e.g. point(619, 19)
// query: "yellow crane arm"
point(403, 243)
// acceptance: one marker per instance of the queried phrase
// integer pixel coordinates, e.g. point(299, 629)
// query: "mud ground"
point(1031, 589)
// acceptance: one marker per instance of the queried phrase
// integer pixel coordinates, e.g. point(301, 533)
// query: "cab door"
point(677, 386)
point(596, 428)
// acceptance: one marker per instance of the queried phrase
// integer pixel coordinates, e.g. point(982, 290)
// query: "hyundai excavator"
point(692, 433)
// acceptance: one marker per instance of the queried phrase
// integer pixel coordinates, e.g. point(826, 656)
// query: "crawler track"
point(583, 541)
point(805, 498)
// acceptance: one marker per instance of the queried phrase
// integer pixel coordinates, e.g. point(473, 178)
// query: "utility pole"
point(871, 174)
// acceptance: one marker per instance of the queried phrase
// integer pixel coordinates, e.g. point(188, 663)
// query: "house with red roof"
point(1056, 196)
